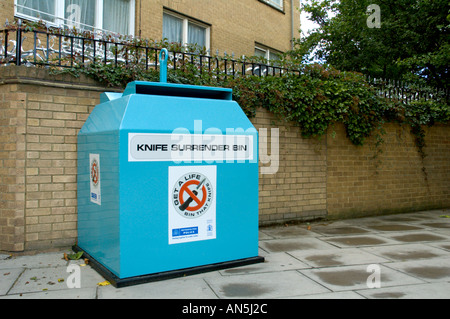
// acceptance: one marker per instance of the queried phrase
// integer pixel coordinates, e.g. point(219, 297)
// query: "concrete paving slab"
point(179, 288)
point(75, 293)
point(286, 231)
point(356, 277)
point(393, 227)
point(436, 223)
point(420, 291)
point(330, 223)
point(35, 261)
point(415, 236)
point(262, 252)
point(365, 221)
point(400, 218)
point(442, 231)
point(358, 241)
point(437, 227)
point(290, 244)
point(263, 236)
point(331, 295)
point(340, 230)
point(337, 257)
point(441, 244)
point(437, 270)
point(7, 278)
point(427, 214)
point(406, 252)
point(434, 215)
point(53, 278)
point(265, 285)
point(273, 262)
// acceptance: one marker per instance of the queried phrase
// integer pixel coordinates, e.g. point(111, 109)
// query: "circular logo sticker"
point(192, 195)
point(95, 174)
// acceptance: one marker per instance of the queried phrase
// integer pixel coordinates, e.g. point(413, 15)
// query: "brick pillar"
point(40, 116)
point(12, 168)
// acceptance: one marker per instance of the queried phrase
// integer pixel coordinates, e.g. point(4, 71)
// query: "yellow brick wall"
point(41, 114)
point(360, 184)
point(6, 12)
point(12, 168)
point(40, 118)
point(54, 116)
point(298, 189)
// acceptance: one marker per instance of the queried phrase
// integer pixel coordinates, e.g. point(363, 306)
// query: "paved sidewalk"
point(408, 253)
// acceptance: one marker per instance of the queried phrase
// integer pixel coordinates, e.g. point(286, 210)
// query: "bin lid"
point(179, 90)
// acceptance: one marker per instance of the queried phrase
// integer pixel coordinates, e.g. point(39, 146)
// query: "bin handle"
point(163, 57)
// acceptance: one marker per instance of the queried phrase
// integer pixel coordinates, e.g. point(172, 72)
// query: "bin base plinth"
point(131, 281)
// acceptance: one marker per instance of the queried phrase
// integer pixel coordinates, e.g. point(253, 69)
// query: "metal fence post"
point(19, 43)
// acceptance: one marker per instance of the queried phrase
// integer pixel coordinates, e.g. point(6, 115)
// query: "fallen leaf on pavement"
point(104, 283)
point(75, 256)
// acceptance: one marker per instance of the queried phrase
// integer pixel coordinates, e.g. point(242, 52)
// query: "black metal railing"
point(66, 48)
point(407, 92)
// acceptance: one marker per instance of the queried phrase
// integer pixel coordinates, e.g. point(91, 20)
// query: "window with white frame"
point(270, 55)
point(267, 53)
point(275, 3)
point(116, 16)
point(180, 29)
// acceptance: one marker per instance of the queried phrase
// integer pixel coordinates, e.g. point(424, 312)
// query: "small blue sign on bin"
point(167, 183)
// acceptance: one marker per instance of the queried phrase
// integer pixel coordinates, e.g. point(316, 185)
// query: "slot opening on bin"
point(178, 90)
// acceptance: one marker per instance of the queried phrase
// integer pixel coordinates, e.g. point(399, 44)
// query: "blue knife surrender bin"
point(167, 183)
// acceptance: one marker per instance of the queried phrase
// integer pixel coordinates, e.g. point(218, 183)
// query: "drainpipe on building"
point(292, 24)
point(140, 19)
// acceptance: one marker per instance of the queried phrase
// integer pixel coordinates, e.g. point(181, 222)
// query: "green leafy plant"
point(74, 256)
point(314, 97)
point(314, 100)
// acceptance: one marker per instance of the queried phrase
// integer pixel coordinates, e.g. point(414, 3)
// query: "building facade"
point(243, 27)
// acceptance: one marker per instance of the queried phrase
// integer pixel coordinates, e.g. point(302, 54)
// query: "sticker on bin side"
point(147, 147)
point(94, 179)
point(192, 205)
point(184, 231)
point(192, 195)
